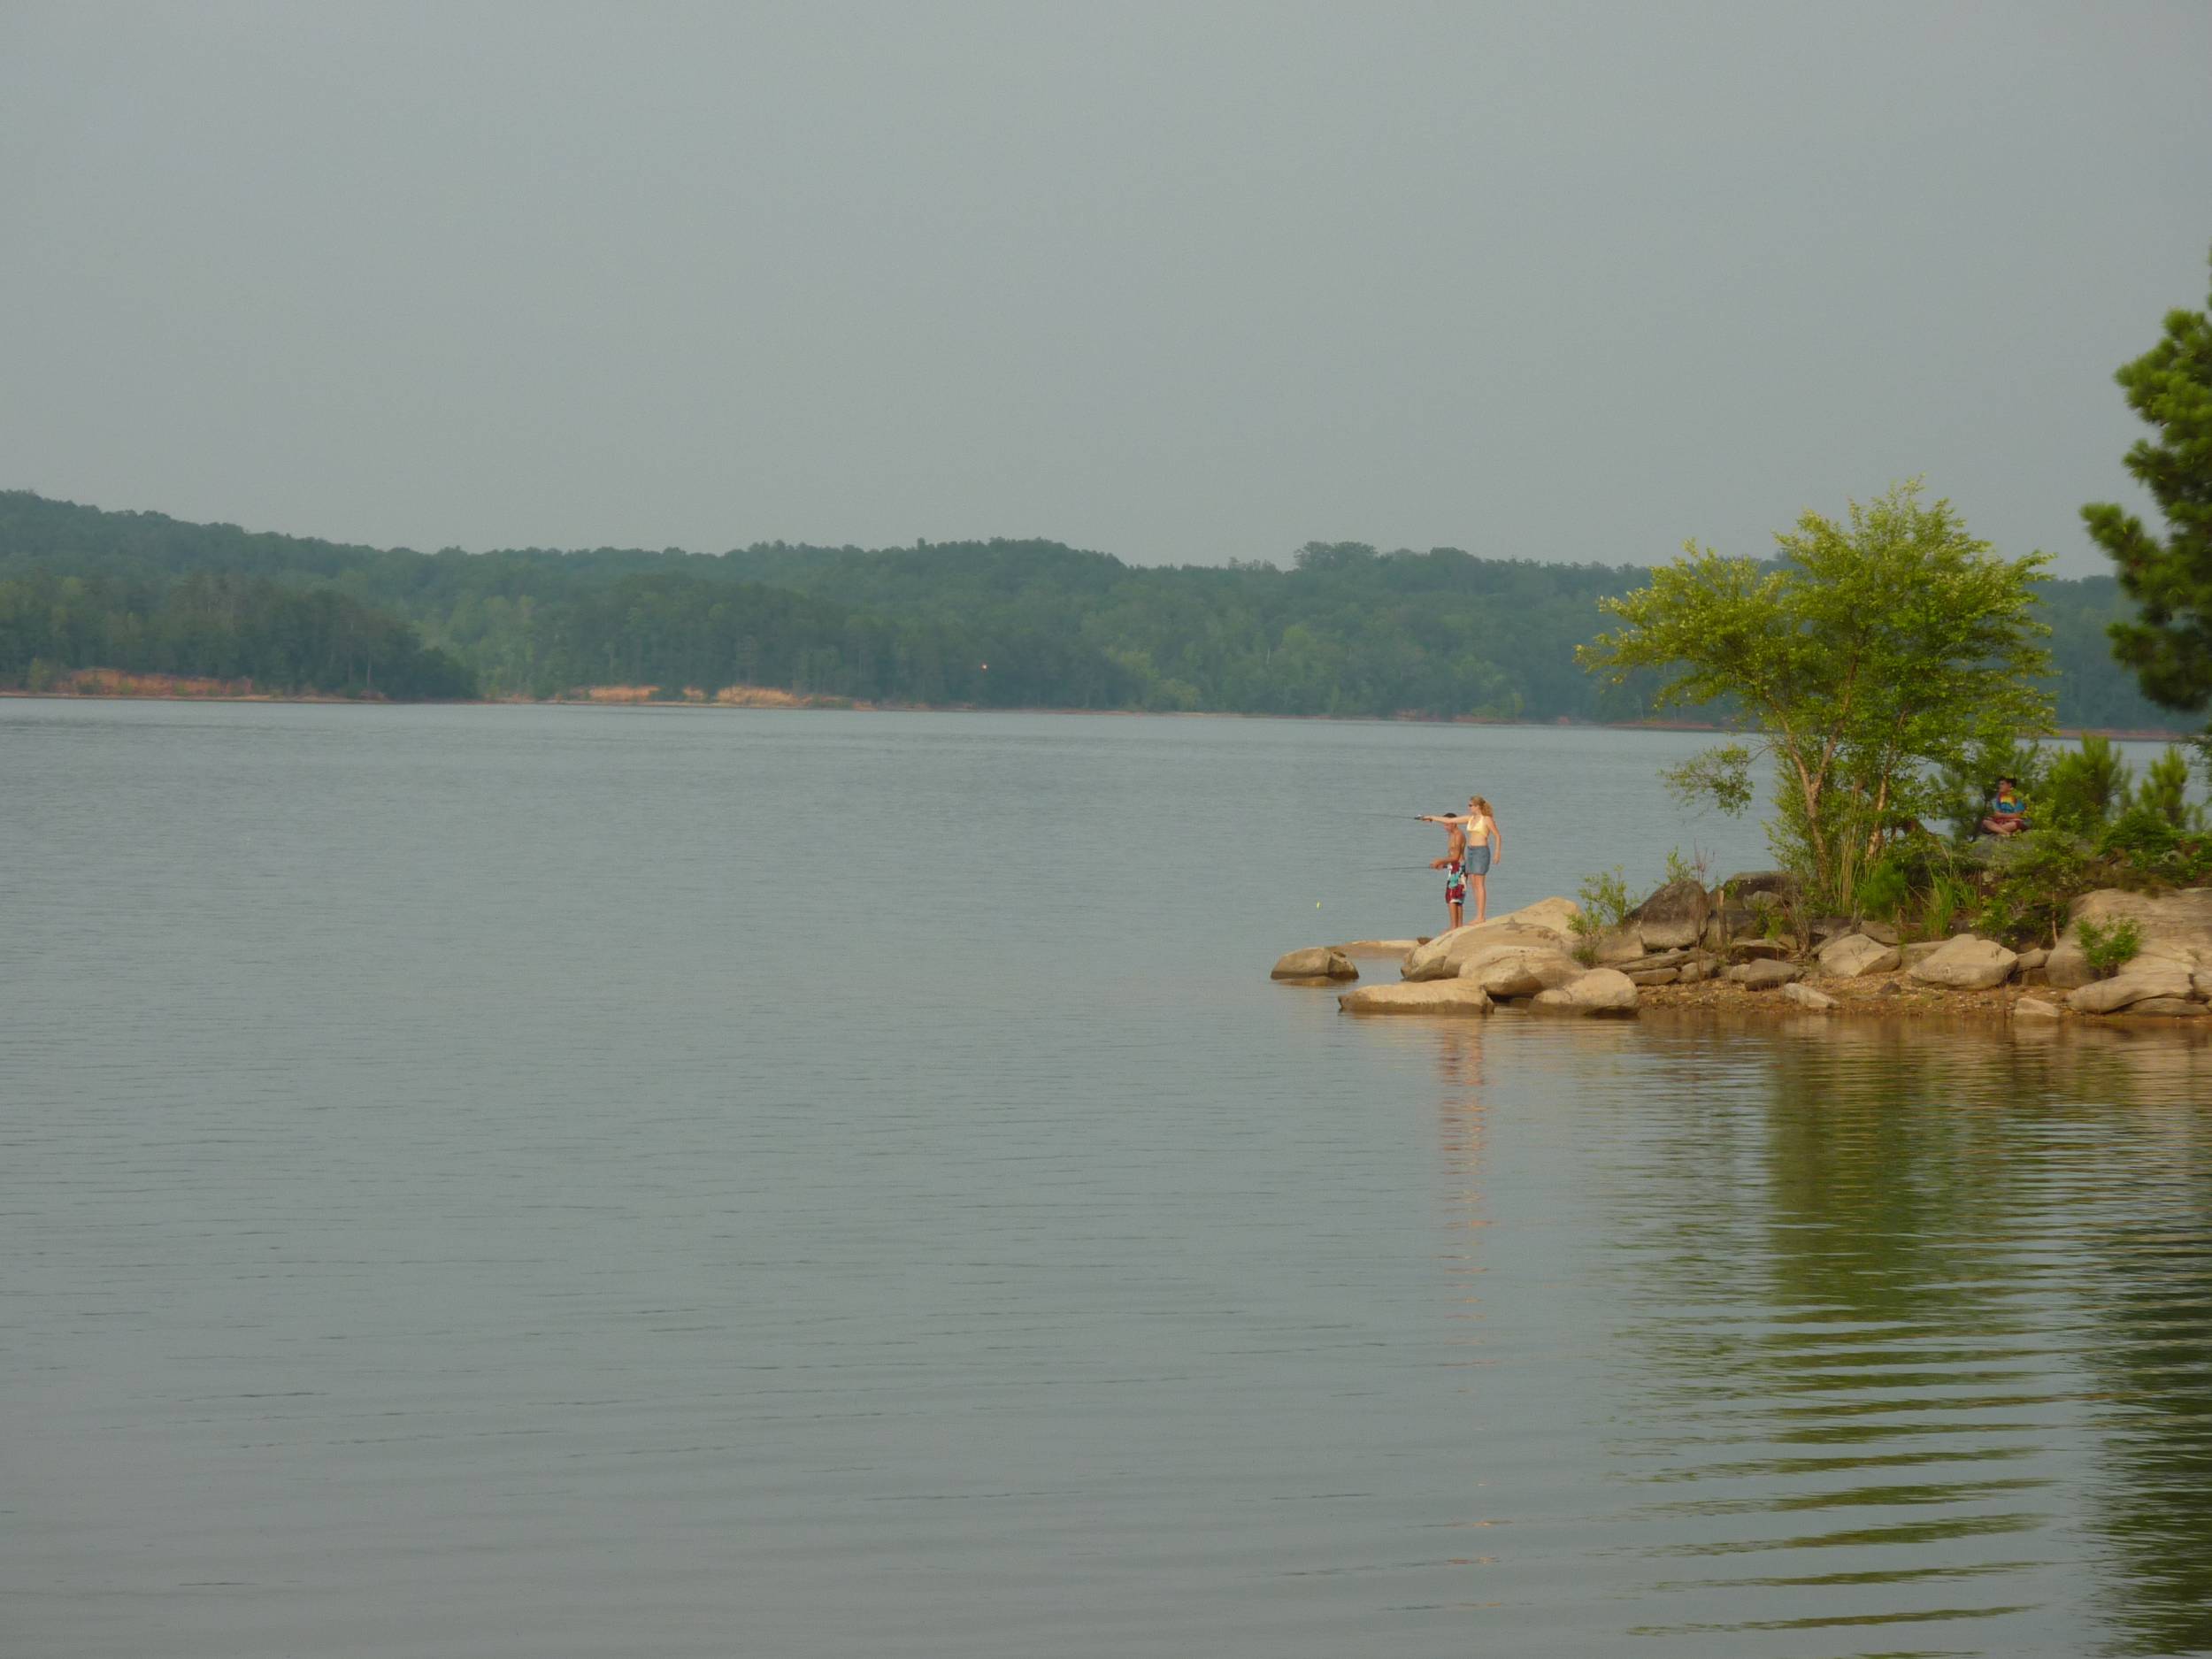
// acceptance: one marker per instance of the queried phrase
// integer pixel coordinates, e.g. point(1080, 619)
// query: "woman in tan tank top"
point(1485, 846)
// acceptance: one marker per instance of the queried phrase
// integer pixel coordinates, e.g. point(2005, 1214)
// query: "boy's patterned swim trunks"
point(1454, 884)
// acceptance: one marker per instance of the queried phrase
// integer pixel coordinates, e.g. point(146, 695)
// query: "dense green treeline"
point(1347, 630)
point(216, 626)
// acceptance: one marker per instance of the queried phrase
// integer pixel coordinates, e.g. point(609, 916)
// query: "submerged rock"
point(1426, 996)
point(1316, 961)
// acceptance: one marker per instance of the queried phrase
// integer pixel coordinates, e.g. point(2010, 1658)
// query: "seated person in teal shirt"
point(2008, 812)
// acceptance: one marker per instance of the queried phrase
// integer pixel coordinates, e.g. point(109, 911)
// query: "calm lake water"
point(533, 1182)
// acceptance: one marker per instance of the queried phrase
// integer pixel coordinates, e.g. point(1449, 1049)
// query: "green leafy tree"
point(2169, 646)
point(1867, 653)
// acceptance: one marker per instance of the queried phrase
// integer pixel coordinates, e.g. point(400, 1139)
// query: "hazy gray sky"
point(1185, 281)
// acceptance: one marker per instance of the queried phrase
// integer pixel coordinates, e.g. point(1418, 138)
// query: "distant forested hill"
point(1347, 630)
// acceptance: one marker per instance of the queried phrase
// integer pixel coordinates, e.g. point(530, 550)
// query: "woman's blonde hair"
point(1482, 805)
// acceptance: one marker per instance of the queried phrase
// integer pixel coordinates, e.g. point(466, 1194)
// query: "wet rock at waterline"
point(1317, 962)
point(1422, 996)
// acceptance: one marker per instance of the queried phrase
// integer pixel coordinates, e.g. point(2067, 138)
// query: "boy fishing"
point(1453, 864)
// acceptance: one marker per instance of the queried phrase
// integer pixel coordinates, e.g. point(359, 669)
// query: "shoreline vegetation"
point(1339, 629)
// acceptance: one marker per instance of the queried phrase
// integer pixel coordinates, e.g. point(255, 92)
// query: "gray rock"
point(1426, 996)
point(1616, 945)
point(1768, 884)
point(2031, 960)
point(1730, 919)
point(1763, 976)
point(1751, 949)
point(2068, 966)
point(1599, 991)
point(1884, 931)
point(2137, 982)
point(1652, 976)
point(1919, 952)
point(1674, 916)
point(1801, 993)
point(1854, 953)
point(1966, 964)
point(2034, 1008)
point(1317, 962)
point(1696, 970)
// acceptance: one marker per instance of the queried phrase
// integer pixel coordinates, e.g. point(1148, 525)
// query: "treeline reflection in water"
point(1917, 1348)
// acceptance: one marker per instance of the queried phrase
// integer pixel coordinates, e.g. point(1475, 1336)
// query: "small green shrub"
point(1691, 868)
point(2107, 947)
point(1948, 898)
point(1883, 889)
point(2041, 872)
point(2164, 791)
point(1605, 901)
point(2084, 788)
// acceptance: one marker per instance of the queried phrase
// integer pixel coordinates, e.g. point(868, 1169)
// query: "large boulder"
point(1599, 991)
point(2068, 966)
point(2168, 1008)
point(1770, 884)
point(2139, 981)
point(1316, 961)
point(1427, 996)
point(1966, 964)
point(1674, 916)
point(2177, 926)
point(1546, 922)
point(1520, 970)
point(1852, 955)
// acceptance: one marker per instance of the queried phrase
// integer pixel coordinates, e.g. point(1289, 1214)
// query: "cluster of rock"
point(1538, 959)
point(1526, 957)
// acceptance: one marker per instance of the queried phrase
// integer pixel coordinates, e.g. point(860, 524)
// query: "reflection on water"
point(1919, 1329)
